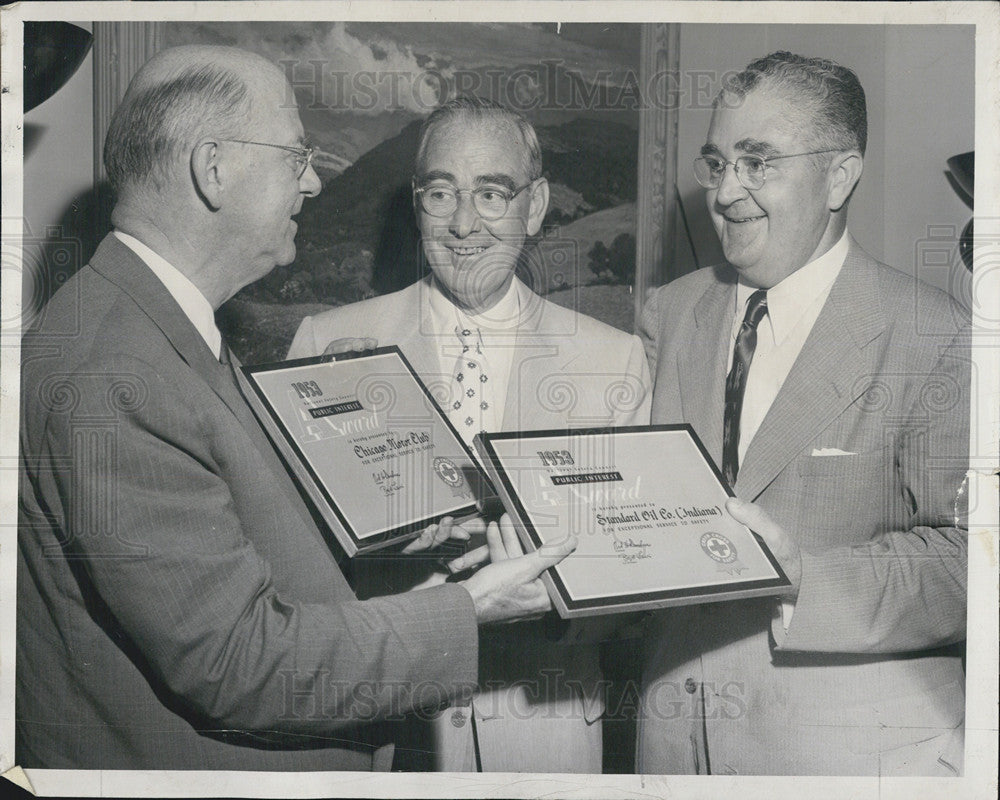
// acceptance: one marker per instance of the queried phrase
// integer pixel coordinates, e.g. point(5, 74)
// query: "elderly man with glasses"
point(832, 391)
point(499, 357)
point(178, 607)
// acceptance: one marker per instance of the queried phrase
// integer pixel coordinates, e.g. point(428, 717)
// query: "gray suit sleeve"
point(905, 589)
point(180, 575)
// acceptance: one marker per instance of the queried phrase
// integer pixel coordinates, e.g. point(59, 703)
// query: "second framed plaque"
point(648, 507)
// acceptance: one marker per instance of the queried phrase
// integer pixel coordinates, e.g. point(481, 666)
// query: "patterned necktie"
point(736, 382)
point(470, 391)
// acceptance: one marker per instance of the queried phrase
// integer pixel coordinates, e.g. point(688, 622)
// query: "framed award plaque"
point(648, 507)
point(368, 443)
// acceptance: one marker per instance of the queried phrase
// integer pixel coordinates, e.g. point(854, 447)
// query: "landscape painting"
point(364, 88)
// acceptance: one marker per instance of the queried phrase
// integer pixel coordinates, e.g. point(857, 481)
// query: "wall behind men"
point(918, 80)
point(58, 182)
point(919, 84)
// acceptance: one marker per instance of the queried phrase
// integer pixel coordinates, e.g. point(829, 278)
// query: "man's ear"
point(844, 174)
point(539, 205)
point(206, 172)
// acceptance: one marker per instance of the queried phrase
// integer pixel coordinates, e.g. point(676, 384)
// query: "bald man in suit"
point(178, 606)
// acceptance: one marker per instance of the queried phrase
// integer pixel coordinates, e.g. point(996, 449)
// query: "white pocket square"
point(831, 451)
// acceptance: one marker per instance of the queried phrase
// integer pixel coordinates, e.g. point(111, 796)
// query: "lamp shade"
point(53, 51)
point(963, 169)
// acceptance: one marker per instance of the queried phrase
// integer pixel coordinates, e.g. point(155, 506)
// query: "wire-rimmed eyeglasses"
point(303, 155)
point(441, 199)
point(751, 170)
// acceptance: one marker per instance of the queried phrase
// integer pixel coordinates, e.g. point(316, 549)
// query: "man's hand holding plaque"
point(350, 345)
point(784, 547)
point(510, 588)
point(505, 583)
point(651, 513)
point(443, 550)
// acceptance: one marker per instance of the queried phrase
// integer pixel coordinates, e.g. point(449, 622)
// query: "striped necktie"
point(736, 382)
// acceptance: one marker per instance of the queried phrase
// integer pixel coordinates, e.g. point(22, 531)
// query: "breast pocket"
point(845, 499)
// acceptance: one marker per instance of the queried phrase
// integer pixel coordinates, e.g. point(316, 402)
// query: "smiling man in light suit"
point(833, 392)
point(498, 357)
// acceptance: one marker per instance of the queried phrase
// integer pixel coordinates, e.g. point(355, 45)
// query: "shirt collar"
point(188, 296)
point(500, 318)
point(788, 300)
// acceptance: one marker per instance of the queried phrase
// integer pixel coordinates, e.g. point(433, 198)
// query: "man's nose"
point(466, 219)
point(730, 189)
point(310, 184)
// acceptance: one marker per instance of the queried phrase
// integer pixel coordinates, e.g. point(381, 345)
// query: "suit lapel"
point(120, 265)
point(828, 375)
point(702, 365)
point(412, 331)
point(530, 365)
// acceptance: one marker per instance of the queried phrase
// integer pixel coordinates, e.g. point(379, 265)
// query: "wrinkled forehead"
point(764, 121)
point(478, 145)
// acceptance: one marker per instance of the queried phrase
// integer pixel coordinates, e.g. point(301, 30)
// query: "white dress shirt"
point(497, 328)
point(188, 296)
point(792, 308)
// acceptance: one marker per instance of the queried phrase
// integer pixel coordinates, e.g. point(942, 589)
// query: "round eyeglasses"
point(751, 171)
point(303, 155)
point(490, 202)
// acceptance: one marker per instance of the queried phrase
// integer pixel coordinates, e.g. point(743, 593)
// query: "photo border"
point(979, 779)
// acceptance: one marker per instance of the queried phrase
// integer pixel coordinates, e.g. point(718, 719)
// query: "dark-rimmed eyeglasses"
point(303, 155)
point(441, 199)
point(751, 171)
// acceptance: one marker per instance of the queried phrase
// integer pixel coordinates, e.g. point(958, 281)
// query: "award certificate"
point(648, 507)
point(368, 443)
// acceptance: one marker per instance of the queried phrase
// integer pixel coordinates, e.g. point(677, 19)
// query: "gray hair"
point(157, 125)
point(478, 108)
point(828, 95)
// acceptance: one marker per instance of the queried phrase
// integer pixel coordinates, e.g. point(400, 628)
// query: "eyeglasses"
point(441, 199)
point(751, 171)
point(303, 155)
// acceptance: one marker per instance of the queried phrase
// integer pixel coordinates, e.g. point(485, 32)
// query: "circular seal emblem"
point(718, 547)
point(446, 470)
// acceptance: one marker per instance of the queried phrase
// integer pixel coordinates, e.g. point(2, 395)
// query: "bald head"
point(179, 96)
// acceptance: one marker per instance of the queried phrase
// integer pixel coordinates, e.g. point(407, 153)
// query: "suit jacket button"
point(690, 686)
point(458, 719)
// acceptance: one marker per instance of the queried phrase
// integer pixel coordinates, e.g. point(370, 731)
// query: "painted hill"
point(560, 259)
point(611, 304)
point(601, 226)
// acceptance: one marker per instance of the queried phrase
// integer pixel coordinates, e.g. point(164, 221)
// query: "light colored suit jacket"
point(178, 608)
point(866, 680)
point(568, 371)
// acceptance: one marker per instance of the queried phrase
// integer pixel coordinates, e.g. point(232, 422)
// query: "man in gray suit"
point(834, 393)
point(178, 607)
